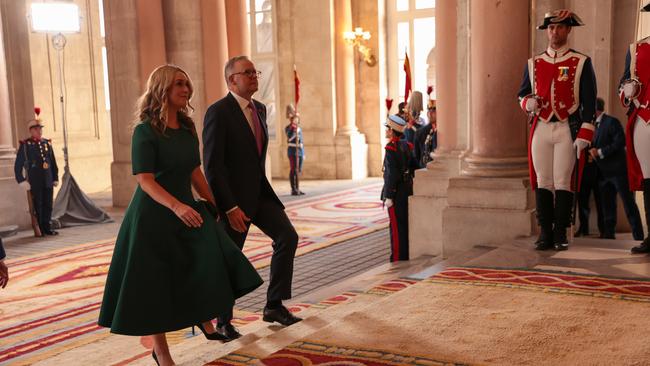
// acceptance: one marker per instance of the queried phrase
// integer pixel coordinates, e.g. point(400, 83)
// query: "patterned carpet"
point(486, 316)
point(52, 301)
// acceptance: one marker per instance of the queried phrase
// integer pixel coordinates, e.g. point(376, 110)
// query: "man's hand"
point(25, 185)
point(238, 219)
point(630, 89)
point(4, 274)
point(388, 203)
point(532, 105)
point(594, 153)
point(580, 144)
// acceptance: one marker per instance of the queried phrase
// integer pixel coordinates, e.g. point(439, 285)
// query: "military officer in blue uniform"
point(295, 150)
point(36, 171)
point(399, 166)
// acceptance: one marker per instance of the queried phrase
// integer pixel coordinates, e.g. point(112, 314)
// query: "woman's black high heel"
point(216, 336)
point(155, 358)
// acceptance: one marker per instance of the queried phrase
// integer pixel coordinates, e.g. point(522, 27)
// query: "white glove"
point(56, 183)
point(25, 185)
point(580, 144)
point(531, 105)
point(388, 203)
point(630, 89)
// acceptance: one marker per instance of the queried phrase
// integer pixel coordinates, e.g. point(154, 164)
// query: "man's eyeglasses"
point(250, 73)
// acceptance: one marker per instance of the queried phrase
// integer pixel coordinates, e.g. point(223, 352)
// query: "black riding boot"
point(644, 247)
point(563, 206)
point(544, 201)
point(293, 181)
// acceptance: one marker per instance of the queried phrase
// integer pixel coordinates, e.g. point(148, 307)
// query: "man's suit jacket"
point(233, 167)
point(610, 139)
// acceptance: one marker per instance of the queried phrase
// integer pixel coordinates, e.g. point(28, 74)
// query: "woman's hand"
point(188, 215)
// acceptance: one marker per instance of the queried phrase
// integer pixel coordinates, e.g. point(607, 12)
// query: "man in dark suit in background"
point(608, 151)
point(235, 140)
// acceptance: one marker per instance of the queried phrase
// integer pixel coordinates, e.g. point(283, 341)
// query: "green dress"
point(164, 275)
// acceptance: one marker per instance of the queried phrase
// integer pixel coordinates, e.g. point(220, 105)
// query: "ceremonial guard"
point(635, 94)
point(36, 171)
point(398, 186)
point(295, 149)
point(559, 92)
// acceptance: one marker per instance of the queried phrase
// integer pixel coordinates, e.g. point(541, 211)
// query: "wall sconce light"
point(358, 38)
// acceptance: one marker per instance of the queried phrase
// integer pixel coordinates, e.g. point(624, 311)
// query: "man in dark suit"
point(235, 140)
point(609, 153)
point(589, 183)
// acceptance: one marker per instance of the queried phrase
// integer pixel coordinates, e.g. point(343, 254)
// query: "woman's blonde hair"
point(152, 105)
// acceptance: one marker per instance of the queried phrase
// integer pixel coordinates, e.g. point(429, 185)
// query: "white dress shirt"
point(248, 113)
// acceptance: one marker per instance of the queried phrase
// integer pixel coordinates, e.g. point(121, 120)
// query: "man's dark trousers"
point(590, 177)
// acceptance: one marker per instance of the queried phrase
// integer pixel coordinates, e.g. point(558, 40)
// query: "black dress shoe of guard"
point(642, 248)
point(295, 193)
point(51, 232)
point(228, 331)
point(216, 336)
point(301, 193)
point(281, 315)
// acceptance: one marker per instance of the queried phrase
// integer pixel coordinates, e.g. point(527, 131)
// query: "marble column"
point(16, 107)
point(134, 36)
point(215, 48)
point(430, 184)
point(239, 39)
point(351, 147)
point(491, 201)
point(184, 44)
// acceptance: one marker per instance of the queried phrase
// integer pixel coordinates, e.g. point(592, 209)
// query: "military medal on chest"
point(43, 150)
point(563, 73)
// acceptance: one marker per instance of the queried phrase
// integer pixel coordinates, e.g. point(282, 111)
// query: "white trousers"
point(553, 155)
point(642, 145)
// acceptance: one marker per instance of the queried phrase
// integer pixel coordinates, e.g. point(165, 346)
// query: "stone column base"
point(124, 183)
point(426, 205)
point(13, 201)
point(486, 211)
point(351, 156)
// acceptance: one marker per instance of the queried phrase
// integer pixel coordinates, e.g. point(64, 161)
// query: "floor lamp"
point(71, 207)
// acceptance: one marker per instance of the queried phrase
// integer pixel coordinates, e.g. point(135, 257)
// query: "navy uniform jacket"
point(610, 140)
point(398, 169)
point(292, 144)
point(420, 139)
point(33, 155)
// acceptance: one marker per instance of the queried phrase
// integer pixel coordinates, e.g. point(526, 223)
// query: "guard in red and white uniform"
point(635, 94)
point(562, 108)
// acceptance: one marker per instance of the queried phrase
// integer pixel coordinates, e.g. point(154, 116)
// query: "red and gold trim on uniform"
point(557, 82)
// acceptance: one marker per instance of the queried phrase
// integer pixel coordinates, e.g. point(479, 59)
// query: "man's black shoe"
point(228, 331)
point(51, 232)
point(281, 315)
point(607, 236)
point(641, 248)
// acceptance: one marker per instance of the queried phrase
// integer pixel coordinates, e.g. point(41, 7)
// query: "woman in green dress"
point(173, 266)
